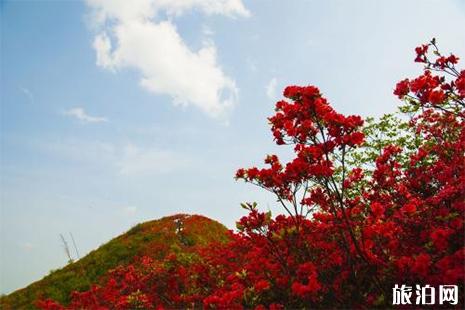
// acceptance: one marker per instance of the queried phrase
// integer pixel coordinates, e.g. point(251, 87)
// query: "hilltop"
point(155, 239)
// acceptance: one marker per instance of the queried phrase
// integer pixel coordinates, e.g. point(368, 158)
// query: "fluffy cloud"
point(224, 7)
point(133, 35)
point(81, 115)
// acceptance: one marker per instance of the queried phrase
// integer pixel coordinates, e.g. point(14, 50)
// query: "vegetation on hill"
point(154, 239)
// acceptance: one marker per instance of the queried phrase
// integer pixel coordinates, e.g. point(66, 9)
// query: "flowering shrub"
point(361, 213)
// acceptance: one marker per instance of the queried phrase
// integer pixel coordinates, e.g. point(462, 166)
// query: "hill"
point(155, 238)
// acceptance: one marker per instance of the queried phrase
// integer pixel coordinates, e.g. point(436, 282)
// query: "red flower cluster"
point(317, 132)
point(350, 231)
point(433, 90)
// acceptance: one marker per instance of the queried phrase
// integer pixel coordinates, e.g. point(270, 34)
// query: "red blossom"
point(436, 96)
point(402, 88)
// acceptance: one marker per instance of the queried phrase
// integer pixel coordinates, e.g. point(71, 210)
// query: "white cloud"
point(223, 7)
point(143, 9)
point(102, 46)
point(81, 115)
point(136, 161)
point(271, 88)
point(133, 36)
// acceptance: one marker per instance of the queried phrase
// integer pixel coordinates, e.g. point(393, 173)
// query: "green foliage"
point(390, 129)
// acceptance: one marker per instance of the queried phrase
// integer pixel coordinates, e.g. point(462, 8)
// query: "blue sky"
point(114, 114)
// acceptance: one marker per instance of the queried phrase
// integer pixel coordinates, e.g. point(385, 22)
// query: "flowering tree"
point(365, 206)
point(399, 221)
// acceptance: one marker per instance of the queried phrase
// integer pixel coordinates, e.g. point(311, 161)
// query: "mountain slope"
point(154, 238)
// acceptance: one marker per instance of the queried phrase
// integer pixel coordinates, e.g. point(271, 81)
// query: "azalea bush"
point(366, 205)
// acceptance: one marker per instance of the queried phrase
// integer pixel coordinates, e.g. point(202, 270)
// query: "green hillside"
point(154, 238)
